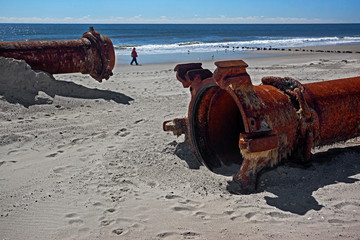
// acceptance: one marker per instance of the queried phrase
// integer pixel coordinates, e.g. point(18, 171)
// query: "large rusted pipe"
point(230, 121)
point(92, 54)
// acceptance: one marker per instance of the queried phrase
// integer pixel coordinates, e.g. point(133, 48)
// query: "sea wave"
point(202, 47)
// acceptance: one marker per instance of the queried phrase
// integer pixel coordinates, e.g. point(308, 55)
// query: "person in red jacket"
point(134, 56)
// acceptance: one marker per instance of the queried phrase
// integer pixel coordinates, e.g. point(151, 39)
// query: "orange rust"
point(230, 121)
point(92, 54)
point(178, 126)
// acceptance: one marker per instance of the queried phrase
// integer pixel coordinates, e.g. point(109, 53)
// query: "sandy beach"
point(86, 160)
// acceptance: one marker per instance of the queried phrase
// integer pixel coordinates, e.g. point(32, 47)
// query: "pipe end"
point(231, 64)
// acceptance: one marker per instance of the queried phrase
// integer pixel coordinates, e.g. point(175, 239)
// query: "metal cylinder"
point(337, 104)
point(92, 54)
point(230, 121)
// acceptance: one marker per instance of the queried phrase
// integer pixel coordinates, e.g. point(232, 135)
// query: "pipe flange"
point(308, 119)
point(106, 52)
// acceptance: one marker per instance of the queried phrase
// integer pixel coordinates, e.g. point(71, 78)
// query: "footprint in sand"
point(152, 184)
point(183, 208)
point(192, 203)
point(172, 196)
point(78, 141)
point(278, 215)
point(75, 221)
point(110, 210)
point(341, 222)
point(112, 148)
point(139, 121)
point(97, 204)
point(54, 154)
point(73, 218)
point(118, 231)
point(190, 234)
point(345, 204)
point(83, 149)
point(16, 151)
point(190, 207)
point(166, 234)
point(70, 215)
point(3, 162)
point(61, 169)
point(122, 132)
point(106, 222)
point(100, 135)
point(229, 212)
point(184, 235)
point(202, 215)
point(84, 230)
point(248, 215)
point(125, 225)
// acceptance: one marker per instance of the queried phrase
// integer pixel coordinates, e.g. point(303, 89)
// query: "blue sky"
point(179, 11)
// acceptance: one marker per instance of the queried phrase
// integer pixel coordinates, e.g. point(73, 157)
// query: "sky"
point(179, 11)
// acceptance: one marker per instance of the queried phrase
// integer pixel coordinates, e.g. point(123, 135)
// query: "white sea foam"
point(202, 47)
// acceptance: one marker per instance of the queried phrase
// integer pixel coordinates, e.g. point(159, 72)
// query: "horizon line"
point(185, 23)
point(139, 19)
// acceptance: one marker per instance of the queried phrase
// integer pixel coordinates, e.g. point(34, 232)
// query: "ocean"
point(156, 43)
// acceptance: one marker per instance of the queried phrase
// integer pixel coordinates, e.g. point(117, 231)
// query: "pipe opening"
point(215, 127)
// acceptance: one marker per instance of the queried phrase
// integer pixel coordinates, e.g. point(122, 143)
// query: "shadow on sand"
point(294, 184)
point(26, 94)
point(184, 152)
point(20, 84)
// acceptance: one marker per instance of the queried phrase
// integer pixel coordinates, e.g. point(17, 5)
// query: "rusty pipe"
point(230, 121)
point(92, 54)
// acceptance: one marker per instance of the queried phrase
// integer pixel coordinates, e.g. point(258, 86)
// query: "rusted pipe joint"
point(230, 121)
point(105, 50)
point(92, 54)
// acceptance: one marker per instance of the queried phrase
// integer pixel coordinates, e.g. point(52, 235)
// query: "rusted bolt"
point(92, 54)
point(230, 121)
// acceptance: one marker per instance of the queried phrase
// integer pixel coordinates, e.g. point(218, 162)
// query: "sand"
point(86, 160)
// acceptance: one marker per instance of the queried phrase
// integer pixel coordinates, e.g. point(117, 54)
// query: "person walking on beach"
point(134, 56)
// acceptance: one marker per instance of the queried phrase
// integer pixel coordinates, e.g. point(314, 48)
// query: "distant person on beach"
point(134, 56)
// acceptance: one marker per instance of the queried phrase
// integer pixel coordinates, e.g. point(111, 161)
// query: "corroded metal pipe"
point(230, 121)
point(92, 54)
